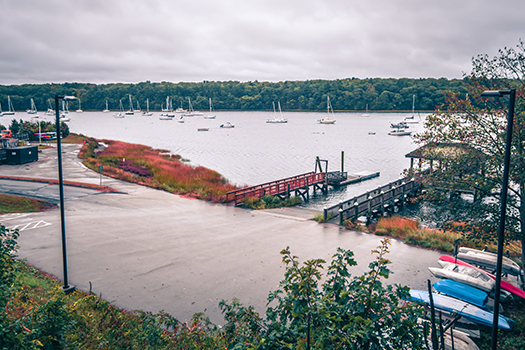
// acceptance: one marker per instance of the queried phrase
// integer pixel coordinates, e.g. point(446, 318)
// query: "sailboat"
point(79, 110)
point(147, 113)
point(120, 113)
point(330, 111)
point(191, 112)
point(11, 110)
point(130, 111)
point(50, 110)
point(1, 113)
point(138, 108)
point(366, 114)
point(412, 119)
point(32, 110)
point(65, 110)
point(211, 111)
point(167, 109)
point(276, 119)
point(107, 109)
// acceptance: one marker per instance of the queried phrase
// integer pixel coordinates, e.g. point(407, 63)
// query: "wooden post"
point(342, 161)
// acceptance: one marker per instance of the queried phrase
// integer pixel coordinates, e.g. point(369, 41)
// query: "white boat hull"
point(464, 274)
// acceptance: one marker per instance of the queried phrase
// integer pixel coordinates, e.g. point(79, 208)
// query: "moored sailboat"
point(329, 111)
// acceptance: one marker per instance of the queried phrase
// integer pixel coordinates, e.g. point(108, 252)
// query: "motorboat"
point(464, 274)
point(400, 132)
point(399, 125)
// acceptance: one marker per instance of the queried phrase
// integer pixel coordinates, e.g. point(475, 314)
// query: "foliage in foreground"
point(342, 312)
point(151, 167)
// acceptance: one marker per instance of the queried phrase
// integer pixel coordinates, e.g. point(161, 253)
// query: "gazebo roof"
point(441, 150)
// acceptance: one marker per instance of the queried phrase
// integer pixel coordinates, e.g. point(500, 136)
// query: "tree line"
point(350, 94)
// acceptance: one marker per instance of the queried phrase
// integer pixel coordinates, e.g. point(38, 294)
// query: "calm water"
point(255, 152)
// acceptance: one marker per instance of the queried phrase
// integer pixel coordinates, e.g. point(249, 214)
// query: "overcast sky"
point(110, 41)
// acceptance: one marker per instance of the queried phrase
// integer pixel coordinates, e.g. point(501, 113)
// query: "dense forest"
point(345, 94)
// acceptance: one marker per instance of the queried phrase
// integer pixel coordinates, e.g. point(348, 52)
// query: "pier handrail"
point(371, 199)
point(275, 187)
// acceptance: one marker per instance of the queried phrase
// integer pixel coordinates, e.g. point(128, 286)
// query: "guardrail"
point(382, 196)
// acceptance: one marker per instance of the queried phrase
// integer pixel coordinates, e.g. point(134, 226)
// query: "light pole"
point(66, 288)
point(504, 188)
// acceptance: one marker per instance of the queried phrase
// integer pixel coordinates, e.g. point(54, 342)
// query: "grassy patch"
point(154, 168)
point(270, 202)
point(17, 204)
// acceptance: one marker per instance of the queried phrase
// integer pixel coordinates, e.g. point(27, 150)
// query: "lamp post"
point(66, 288)
point(504, 188)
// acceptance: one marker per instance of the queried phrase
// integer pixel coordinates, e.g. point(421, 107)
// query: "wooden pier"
point(379, 200)
point(298, 185)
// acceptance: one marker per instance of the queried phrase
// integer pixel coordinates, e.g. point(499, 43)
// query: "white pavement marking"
point(14, 216)
point(30, 226)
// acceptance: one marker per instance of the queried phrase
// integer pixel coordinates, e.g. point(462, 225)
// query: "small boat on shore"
point(488, 260)
point(509, 287)
point(203, 129)
point(462, 308)
point(227, 125)
point(463, 292)
point(464, 274)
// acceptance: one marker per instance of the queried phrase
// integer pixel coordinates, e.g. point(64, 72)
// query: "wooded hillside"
point(345, 94)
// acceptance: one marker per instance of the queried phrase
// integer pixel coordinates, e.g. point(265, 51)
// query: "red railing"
point(275, 187)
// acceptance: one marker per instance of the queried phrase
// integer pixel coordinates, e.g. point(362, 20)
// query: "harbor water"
point(255, 152)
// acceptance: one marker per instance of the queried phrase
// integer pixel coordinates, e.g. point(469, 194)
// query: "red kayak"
point(504, 285)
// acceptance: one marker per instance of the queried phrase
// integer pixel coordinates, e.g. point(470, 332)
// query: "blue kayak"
point(462, 308)
point(463, 292)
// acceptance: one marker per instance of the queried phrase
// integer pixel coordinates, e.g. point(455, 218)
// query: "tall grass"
point(152, 167)
point(411, 232)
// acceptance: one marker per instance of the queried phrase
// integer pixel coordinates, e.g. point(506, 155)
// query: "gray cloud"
point(161, 40)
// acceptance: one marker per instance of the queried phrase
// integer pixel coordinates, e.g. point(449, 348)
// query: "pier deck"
point(299, 185)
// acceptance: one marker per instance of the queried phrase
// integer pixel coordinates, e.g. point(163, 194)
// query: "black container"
point(3, 156)
point(21, 155)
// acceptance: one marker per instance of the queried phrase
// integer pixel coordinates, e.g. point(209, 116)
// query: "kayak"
point(509, 287)
point(463, 292)
point(488, 260)
point(462, 308)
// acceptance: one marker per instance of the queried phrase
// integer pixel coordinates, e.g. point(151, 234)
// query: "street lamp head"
point(494, 93)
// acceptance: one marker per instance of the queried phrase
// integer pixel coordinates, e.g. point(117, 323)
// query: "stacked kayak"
point(462, 308)
point(488, 260)
point(504, 284)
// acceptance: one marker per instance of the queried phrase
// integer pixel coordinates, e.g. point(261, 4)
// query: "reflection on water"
point(255, 152)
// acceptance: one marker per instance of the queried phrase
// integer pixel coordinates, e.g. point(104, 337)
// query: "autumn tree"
point(465, 142)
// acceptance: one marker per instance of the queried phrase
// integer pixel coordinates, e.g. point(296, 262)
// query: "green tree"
point(467, 136)
point(340, 313)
